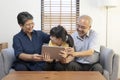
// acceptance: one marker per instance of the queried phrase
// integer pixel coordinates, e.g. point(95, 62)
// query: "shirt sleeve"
point(46, 37)
point(17, 46)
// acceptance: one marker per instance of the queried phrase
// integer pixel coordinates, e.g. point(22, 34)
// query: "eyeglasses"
point(82, 27)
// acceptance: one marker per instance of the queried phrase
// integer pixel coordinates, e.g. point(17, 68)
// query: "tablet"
point(52, 51)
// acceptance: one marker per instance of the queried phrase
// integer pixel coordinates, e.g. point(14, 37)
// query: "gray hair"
point(86, 17)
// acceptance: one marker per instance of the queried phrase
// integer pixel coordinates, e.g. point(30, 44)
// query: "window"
point(59, 12)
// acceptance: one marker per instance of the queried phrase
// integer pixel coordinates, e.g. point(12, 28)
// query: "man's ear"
point(90, 26)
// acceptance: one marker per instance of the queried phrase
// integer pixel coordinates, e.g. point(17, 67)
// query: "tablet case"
point(52, 51)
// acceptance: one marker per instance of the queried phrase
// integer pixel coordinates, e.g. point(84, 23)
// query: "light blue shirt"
point(90, 41)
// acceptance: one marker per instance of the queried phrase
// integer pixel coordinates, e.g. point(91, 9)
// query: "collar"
point(87, 35)
point(64, 44)
point(25, 33)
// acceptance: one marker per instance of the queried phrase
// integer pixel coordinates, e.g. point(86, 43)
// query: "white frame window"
point(59, 12)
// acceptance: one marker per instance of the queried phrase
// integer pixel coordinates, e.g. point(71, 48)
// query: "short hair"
point(23, 17)
point(85, 17)
point(60, 32)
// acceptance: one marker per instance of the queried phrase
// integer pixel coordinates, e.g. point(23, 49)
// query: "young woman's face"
point(57, 41)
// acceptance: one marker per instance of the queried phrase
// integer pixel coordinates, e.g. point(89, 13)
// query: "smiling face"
point(25, 20)
point(28, 26)
point(83, 26)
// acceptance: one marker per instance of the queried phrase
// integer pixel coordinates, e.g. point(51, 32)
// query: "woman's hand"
point(68, 51)
point(37, 57)
point(66, 54)
point(63, 54)
point(71, 51)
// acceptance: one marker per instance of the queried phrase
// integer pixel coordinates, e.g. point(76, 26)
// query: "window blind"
point(59, 12)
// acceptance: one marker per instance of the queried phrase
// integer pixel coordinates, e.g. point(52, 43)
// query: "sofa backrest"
point(8, 58)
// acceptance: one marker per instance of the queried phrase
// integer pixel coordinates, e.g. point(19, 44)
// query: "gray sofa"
point(108, 59)
point(1, 67)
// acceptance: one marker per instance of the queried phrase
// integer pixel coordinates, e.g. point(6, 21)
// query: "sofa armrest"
point(114, 75)
point(8, 58)
point(2, 74)
point(106, 58)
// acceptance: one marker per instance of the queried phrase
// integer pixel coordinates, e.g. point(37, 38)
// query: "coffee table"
point(54, 75)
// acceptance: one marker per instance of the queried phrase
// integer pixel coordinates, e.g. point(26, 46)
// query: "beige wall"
point(114, 30)
point(96, 10)
point(99, 14)
point(10, 8)
point(8, 13)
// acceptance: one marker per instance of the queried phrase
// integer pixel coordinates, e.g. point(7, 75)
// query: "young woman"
point(60, 37)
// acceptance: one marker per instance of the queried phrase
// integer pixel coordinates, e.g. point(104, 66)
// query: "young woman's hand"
point(46, 57)
point(70, 51)
point(63, 53)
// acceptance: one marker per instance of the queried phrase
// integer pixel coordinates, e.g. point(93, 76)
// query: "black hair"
point(23, 17)
point(60, 32)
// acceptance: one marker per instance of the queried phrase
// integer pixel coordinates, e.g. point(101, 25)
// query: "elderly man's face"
point(83, 27)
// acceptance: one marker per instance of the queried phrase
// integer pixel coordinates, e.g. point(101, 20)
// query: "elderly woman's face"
point(28, 26)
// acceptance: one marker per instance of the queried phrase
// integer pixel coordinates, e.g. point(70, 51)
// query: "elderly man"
point(87, 45)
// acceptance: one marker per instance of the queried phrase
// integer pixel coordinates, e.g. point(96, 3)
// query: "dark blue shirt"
point(23, 44)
